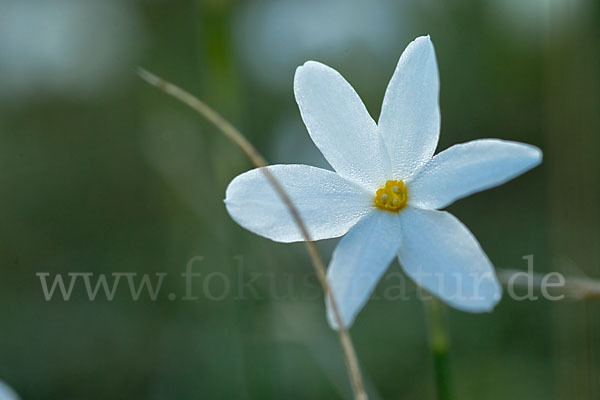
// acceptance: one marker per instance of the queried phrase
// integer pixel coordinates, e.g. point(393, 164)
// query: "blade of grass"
point(259, 161)
point(439, 345)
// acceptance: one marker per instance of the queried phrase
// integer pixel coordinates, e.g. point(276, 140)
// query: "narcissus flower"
point(387, 188)
point(7, 393)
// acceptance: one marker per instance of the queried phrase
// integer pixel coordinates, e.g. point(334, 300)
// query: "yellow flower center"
point(392, 196)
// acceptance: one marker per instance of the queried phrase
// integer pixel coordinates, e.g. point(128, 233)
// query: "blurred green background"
point(102, 173)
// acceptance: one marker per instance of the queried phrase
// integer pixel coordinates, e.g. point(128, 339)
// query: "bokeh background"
point(102, 173)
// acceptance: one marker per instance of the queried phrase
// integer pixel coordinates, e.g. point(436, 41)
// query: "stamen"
point(394, 191)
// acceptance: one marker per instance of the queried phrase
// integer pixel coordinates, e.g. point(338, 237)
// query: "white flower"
point(7, 393)
point(387, 187)
point(65, 48)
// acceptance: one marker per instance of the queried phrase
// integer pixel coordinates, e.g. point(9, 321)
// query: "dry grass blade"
point(259, 161)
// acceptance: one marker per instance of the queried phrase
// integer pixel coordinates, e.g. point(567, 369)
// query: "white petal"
point(328, 204)
point(470, 167)
point(359, 260)
point(441, 255)
point(340, 125)
point(7, 393)
point(410, 115)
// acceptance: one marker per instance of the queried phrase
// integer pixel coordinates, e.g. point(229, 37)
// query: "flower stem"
point(439, 344)
point(259, 161)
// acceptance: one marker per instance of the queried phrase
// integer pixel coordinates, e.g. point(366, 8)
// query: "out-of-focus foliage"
point(103, 174)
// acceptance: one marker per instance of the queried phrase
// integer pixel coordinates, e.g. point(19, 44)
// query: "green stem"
point(439, 344)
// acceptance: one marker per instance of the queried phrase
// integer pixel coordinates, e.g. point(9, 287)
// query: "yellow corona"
point(392, 196)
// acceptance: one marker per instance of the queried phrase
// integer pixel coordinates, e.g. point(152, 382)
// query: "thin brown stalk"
point(259, 161)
